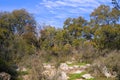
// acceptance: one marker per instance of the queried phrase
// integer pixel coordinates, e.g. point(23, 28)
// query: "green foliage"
point(6, 21)
point(21, 19)
point(107, 37)
point(6, 67)
point(104, 15)
point(105, 28)
point(74, 26)
point(20, 48)
point(17, 39)
point(87, 33)
point(47, 37)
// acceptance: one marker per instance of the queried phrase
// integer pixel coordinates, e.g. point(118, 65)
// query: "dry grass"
point(111, 61)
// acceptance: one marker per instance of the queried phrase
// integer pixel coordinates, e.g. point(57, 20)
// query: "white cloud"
point(70, 3)
point(61, 9)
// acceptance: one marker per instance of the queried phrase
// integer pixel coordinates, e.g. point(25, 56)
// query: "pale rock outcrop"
point(70, 68)
point(88, 65)
point(77, 72)
point(83, 67)
point(62, 76)
point(87, 76)
point(76, 66)
point(53, 74)
point(50, 73)
point(64, 66)
point(5, 76)
point(24, 69)
point(106, 72)
point(47, 66)
point(21, 69)
point(26, 77)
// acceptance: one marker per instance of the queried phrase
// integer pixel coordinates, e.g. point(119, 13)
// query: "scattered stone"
point(25, 77)
point(87, 76)
point(24, 69)
point(114, 74)
point(62, 76)
point(5, 76)
point(21, 69)
point(18, 69)
point(61, 73)
point(50, 73)
point(47, 66)
point(71, 68)
point(83, 67)
point(64, 66)
point(77, 72)
point(106, 72)
point(76, 66)
point(88, 65)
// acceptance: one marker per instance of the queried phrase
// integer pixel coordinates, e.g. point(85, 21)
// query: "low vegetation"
point(75, 76)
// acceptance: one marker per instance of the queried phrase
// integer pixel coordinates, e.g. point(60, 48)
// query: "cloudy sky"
point(54, 12)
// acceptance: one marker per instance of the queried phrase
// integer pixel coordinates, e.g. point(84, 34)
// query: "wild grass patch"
point(75, 76)
point(79, 64)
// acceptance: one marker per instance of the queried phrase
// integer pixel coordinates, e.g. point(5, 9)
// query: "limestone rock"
point(77, 72)
point(5, 76)
point(87, 76)
point(50, 73)
point(106, 72)
point(62, 76)
point(47, 66)
point(88, 65)
point(71, 68)
point(83, 67)
point(64, 66)
point(21, 69)
point(76, 66)
point(24, 69)
point(25, 77)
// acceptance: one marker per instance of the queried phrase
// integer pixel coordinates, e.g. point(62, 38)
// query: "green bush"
point(6, 67)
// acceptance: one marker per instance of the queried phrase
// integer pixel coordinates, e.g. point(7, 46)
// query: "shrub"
point(111, 61)
point(6, 67)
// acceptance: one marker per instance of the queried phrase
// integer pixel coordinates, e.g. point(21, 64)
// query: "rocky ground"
point(68, 71)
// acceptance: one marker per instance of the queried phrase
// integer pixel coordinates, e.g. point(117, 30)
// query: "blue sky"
point(54, 12)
